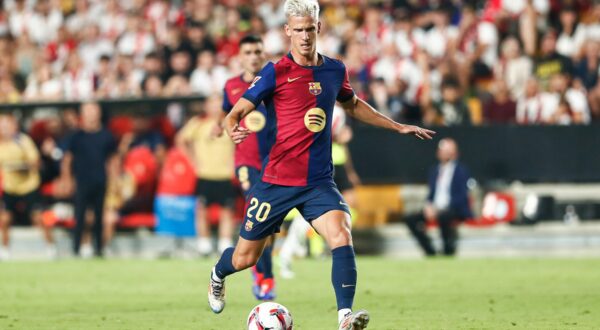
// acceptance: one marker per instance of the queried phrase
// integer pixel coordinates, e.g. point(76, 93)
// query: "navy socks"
point(265, 263)
point(343, 276)
point(224, 267)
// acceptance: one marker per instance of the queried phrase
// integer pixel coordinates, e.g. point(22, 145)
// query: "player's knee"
point(243, 261)
point(342, 237)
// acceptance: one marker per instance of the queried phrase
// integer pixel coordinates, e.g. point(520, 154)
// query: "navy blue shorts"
point(268, 204)
point(248, 176)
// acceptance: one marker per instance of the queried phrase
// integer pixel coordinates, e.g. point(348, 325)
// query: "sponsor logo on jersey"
point(255, 121)
point(315, 120)
point(314, 88)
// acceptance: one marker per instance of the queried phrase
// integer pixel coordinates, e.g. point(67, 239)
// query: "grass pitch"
point(426, 294)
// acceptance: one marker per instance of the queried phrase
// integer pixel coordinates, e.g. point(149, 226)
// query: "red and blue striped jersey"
point(254, 149)
point(299, 101)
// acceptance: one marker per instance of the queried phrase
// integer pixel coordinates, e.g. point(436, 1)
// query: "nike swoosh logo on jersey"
point(342, 203)
point(347, 285)
point(235, 91)
point(292, 80)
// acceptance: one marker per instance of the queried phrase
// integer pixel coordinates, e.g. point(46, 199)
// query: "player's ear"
point(318, 27)
point(288, 32)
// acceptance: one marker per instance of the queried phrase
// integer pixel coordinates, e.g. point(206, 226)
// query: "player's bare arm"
point(217, 130)
point(361, 110)
point(232, 122)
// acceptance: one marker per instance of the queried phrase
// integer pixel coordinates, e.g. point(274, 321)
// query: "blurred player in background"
point(213, 159)
point(19, 174)
point(299, 92)
point(250, 153)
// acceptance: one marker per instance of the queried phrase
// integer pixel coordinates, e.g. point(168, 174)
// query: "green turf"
point(428, 294)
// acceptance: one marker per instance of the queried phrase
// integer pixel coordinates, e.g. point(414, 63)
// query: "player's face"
point(303, 34)
point(252, 57)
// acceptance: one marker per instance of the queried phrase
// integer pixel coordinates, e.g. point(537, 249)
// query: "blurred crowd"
point(441, 62)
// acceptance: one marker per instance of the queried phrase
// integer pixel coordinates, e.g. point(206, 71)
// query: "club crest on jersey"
point(314, 88)
point(315, 120)
point(248, 225)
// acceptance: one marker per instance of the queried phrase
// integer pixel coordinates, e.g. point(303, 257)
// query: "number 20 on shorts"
point(263, 210)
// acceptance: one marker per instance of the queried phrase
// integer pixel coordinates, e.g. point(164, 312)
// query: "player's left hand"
point(418, 132)
point(239, 134)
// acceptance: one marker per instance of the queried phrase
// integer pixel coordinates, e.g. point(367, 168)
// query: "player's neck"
point(248, 76)
point(310, 60)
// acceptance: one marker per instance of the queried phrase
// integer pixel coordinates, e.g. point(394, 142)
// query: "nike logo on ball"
point(294, 79)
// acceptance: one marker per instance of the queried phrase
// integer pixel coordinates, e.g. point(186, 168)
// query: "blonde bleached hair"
point(302, 8)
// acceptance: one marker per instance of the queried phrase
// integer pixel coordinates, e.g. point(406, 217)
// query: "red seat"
point(138, 220)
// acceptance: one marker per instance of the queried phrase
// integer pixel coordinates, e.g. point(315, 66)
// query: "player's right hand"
point(238, 134)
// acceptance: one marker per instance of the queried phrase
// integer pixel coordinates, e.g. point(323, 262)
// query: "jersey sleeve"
point(262, 86)
point(346, 92)
point(227, 106)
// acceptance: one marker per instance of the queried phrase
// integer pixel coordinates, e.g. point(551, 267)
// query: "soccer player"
point(299, 92)
point(250, 153)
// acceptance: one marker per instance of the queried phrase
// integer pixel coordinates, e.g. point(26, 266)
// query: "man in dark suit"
point(447, 202)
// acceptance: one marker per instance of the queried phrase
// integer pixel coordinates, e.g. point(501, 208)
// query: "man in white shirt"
point(447, 202)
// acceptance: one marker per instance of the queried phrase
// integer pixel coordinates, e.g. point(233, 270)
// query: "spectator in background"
point(113, 21)
point(77, 81)
point(179, 64)
point(586, 69)
point(477, 46)
point(198, 40)
point(42, 85)
point(87, 154)
point(18, 18)
point(208, 77)
point(213, 159)
point(550, 62)
point(447, 201)
point(93, 46)
point(153, 65)
point(514, 67)
point(571, 34)
point(44, 23)
point(19, 169)
point(532, 106)
point(500, 109)
point(26, 55)
point(451, 110)
point(272, 13)
point(81, 18)
point(137, 40)
point(576, 106)
point(129, 77)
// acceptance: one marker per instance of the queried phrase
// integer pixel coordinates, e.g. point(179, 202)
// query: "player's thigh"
point(329, 214)
point(335, 227)
point(266, 207)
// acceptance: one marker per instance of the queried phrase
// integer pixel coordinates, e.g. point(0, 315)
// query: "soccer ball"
point(270, 316)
